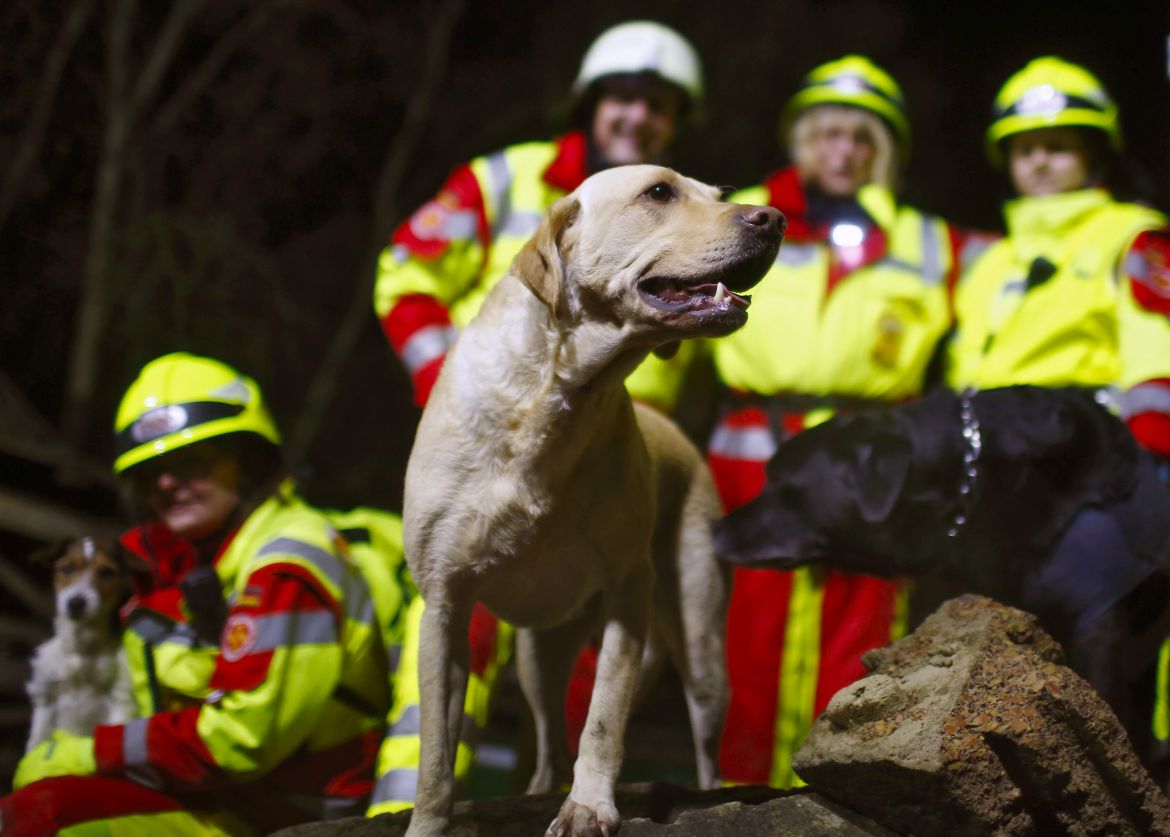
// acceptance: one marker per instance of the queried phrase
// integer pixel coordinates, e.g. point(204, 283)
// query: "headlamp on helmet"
point(180, 399)
point(1047, 93)
point(855, 81)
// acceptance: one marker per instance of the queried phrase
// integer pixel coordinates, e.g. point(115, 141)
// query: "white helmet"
point(643, 46)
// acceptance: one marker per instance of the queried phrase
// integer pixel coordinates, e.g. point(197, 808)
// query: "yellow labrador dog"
point(536, 486)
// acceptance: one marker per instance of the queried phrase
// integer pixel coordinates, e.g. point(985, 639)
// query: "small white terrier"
point(80, 677)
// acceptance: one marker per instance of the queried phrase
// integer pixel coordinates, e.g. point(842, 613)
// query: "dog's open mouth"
point(676, 295)
point(720, 290)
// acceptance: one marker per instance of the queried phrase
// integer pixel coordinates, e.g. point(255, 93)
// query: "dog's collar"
point(972, 447)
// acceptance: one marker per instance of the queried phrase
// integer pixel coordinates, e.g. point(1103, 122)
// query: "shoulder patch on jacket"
point(239, 636)
point(1147, 264)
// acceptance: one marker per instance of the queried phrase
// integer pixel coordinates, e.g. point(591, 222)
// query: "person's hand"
point(64, 754)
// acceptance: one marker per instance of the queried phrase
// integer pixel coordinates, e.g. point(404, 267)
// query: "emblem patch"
point(239, 637)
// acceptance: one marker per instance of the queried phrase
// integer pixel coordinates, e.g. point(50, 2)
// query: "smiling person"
point(247, 589)
point(848, 317)
point(1078, 293)
point(638, 85)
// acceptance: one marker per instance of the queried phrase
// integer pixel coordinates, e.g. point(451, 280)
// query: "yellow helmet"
point(853, 80)
point(1051, 92)
point(179, 399)
point(643, 46)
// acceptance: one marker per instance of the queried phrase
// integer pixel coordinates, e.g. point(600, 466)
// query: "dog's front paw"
point(577, 820)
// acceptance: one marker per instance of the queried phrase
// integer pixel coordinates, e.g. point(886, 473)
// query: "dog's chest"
point(84, 688)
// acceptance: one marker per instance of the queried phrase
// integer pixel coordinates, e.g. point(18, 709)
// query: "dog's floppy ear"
point(883, 464)
point(539, 264)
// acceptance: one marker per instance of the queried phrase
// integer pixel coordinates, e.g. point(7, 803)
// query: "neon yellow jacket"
point(443, 260)
point(296, 697)
point(1076, 321)
point(855, 311)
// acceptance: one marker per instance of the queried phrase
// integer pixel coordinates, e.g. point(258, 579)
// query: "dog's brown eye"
point(660, 192)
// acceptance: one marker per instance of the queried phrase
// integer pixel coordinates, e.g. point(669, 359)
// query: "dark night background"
point(217, 176)
point(245, 213)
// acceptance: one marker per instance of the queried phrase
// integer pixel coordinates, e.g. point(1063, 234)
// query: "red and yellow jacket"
point(290, 703)
point(851, 312)
point(442, 261)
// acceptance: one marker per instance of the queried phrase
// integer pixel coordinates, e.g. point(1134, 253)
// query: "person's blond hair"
point(823, 117)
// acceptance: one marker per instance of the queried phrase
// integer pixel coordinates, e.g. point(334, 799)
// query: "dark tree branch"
point(399, 157)
point(33, 137)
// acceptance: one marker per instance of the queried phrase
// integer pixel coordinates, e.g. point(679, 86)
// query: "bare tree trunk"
point(33, 137)
point(319, 395)
point(94, 297)
point(124, 106)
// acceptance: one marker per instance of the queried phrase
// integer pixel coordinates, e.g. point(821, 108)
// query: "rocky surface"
point(969, 726)
point(652, 809)
point(972, 725)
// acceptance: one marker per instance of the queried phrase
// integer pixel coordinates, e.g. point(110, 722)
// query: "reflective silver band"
point(501, 175)
point(135, 758)
point(932, 272)
point(409, 724)
point(1145, 398)
point(426, 344)
point(325, 561)
point(749, 444)
point(795, 255)
point(280, 630)
point(396, 786)
point(520, 224)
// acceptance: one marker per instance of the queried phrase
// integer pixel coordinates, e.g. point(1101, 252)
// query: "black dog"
point(1039, 498)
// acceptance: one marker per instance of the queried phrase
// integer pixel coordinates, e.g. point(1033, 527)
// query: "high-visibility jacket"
point(1077, 294)
point(850, 313)
point(266, 741)
point(170, 664)
point(396, 780)
point(442, 261)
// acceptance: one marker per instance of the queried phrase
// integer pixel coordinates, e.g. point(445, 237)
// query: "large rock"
point(971, 725)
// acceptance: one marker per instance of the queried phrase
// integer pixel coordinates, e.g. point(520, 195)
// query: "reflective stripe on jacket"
point(374, 537)
point(397, 767)
point(793, 638)
point(848, 314)
point(296, 698)
point(1046, 305)
point(444, 259)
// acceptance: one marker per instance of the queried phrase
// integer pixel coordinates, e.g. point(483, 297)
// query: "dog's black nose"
point(75, 606)
point(767, 218)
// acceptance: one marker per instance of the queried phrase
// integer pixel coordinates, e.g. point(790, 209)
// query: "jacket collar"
point(1052, 214)
point(874, 205)
point(871, 217)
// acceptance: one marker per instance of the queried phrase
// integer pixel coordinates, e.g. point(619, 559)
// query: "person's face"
point(635, 119)
point(842, 158)
point(1048, 161)
point(193, 490)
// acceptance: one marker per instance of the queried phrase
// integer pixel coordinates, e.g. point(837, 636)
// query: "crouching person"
point(255, 642)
